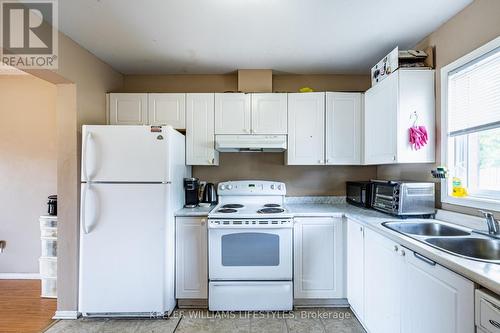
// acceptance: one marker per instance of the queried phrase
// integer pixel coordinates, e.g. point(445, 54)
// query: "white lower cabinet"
point(405, 291)
point(383, 282)
point(191, 258)
point(318, 258)
point(436, 299)
point(355, 267)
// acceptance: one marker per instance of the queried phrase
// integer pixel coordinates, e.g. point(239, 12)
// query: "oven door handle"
point(218, 224)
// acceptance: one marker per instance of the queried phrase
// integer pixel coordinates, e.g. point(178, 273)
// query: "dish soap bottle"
point(458, 190)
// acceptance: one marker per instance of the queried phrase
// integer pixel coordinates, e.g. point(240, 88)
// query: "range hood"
point(250, 143)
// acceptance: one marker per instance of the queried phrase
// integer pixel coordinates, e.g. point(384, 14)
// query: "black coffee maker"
point(191, 189)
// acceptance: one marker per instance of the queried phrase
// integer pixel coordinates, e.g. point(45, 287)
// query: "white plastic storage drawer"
point(48, 232)
point(487, 312)
point(250, 296)
point(48, 222)
point(48, 267)
point(49, 247)
point(49, 287)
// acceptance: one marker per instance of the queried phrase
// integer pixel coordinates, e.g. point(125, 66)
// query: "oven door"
point(250, 252)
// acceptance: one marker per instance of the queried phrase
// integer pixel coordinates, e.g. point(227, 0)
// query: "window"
point(471, 127)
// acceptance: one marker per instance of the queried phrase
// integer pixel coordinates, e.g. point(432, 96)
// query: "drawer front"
point(250, 296)
point(488, 314)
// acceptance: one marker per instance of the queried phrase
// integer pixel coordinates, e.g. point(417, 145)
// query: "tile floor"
point(325, 320)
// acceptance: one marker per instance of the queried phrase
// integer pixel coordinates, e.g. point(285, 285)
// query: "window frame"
point(474, 202)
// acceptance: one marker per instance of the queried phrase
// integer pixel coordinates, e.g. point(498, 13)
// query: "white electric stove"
point(250, 248)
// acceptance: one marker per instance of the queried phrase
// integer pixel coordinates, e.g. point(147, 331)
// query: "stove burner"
point(270, 210)
point(227, 210)
point(232, 206)
point(272, 205)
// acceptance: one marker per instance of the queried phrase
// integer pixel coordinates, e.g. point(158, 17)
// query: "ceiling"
point(220, 36)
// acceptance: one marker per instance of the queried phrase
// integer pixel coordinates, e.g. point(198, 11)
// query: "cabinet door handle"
point(203, 221)
point(395, 248)
point(494, 323)
point(361, 229)
point(402, 253)
point(424, 259)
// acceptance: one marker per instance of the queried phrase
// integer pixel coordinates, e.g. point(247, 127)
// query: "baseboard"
point(19, 276)
point(192, 303)
point(66, 315)
point(320, 302)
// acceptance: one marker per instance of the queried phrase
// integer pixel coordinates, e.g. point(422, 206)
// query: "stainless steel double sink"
point(452, 239)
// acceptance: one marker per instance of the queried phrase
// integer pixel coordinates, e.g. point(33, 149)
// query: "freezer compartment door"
point(250, 296)
point(124, 238)
point(125, 154)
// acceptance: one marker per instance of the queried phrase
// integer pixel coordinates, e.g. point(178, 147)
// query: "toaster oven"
point(403, 198)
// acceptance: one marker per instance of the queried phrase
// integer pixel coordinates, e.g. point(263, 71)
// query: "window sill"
point(473, 202)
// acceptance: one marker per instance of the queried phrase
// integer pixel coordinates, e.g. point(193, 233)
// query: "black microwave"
point(359, 193)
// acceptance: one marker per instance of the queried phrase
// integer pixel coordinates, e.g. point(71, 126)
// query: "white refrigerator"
point(132, 184)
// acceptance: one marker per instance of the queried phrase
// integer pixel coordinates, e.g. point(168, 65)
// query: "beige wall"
point(82, 83)
point(476, 25)
point(292, 83)
point(82, 102)
point(28, 167)
point(179, 83)
point(229, 82)
point(300, 180)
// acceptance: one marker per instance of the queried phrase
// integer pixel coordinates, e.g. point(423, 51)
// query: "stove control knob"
point(222, 187)
point(229, 187)
point(280, 187)
point(272, 186)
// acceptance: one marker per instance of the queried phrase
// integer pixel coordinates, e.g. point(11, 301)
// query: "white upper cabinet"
point(343, 128)
point(355, 267)
point(390, 109)
point(381, 109)
point(200, 135)
point(191, 258)
point(318, 258)
point(167, 109)
point(383, 280)
point(269, 113)
point(306, 129)
point(232, 113)
point(431, 292)
point(128, 109)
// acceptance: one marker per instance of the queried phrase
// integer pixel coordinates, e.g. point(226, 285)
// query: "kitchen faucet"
point(493, 226)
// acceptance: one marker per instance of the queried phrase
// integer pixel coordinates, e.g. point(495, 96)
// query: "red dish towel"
point(418, 137)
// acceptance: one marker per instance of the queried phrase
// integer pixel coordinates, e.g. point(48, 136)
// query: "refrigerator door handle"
point(88, 136)
point(84, 208)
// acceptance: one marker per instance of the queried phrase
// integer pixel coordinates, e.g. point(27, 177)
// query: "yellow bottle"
point(458, 190)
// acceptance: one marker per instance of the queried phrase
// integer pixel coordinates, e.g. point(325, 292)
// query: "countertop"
point(485, 274)
point(197, 211)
